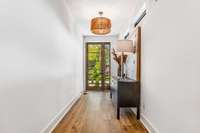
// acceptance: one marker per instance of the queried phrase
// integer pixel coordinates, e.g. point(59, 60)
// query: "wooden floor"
point(94, 113)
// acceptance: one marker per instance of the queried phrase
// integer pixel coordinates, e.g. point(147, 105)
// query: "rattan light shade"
point(100, 25)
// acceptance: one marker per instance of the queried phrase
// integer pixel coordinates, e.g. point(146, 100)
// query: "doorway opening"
point(98, 65)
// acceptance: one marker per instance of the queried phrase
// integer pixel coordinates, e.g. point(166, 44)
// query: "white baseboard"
point(147, 124)
point(54, 122)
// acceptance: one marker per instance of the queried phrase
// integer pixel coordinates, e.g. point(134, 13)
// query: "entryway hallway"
point(94, 113)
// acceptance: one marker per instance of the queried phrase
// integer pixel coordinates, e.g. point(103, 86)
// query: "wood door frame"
point(86, 63)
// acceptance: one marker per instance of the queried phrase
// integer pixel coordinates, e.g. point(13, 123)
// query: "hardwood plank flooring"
point(94, 113)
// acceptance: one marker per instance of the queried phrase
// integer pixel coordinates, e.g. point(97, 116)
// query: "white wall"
point(130, 66)
point(40, 59)
point(170, 66)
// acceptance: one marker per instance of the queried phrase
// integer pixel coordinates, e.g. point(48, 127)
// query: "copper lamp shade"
point(100, 25)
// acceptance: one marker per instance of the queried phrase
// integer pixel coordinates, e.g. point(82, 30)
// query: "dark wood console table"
point(125, 93)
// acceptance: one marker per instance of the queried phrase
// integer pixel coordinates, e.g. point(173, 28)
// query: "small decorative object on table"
point(118, 58)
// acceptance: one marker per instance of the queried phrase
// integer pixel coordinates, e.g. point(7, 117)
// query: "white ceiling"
point(119, 11)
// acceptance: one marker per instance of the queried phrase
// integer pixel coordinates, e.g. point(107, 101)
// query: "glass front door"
point(98, 66)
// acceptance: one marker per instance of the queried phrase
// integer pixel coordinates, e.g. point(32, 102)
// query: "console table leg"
point(118, 113)
point(138, 112)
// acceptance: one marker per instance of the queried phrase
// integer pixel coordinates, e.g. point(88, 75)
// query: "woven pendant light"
point(100, 25)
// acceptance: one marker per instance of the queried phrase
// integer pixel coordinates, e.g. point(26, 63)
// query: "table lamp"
point(124, 47)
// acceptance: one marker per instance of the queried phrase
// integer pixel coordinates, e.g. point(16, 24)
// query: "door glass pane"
point(94, 66)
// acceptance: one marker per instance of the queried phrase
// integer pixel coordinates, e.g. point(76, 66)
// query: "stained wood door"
point(98, 66)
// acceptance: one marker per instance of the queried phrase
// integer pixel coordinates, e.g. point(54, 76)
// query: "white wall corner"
point(148, 125)
point(54, 122)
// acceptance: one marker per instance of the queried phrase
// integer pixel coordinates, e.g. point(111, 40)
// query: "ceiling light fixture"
point(100, 25)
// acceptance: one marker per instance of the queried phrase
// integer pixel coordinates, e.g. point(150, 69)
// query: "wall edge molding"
point(59, 116)
point(146, 122)
point(148, 125)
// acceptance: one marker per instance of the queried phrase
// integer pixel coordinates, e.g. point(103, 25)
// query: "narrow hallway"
point(94, 113)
